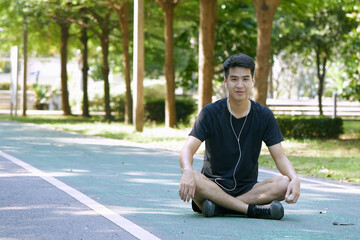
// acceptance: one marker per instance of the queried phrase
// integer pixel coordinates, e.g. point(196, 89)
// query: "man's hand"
point(187, 185)
point(293, 191)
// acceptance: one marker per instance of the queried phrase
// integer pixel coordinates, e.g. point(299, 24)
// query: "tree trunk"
point(25, 43)
point(122, 13)
point(169, 69)
point(105, 71)
point(208, 9)
point(64, 88)
point(265, 10)
point(85, 68)
point(125, 44)
point(321, 71)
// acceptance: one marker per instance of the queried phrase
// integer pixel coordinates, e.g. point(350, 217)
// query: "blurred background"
point(76, 56)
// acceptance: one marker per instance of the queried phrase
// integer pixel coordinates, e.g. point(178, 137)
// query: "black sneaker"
point(273, 210)
point(210, 209)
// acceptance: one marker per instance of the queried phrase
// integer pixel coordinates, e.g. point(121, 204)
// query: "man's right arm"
point(187, 182)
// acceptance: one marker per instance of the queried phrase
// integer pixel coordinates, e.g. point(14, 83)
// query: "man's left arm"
point(287, 169)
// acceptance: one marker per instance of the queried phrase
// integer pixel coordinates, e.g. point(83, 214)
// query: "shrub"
point(155, 109)
point(156, 90)
point(305, 127)
point(5, 86)
point(96, 103)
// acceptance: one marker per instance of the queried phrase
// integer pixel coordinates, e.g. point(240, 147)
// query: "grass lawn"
point(336, 159)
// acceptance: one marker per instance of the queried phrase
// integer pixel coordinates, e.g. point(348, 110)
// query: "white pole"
point(335, 104)
point(14, 58)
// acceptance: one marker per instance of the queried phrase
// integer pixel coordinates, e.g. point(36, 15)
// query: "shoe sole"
point(208, 209)
point(276, 210)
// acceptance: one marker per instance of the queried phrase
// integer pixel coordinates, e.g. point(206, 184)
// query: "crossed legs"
point(262, 193)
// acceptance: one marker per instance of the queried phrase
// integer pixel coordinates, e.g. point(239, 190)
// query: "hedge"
point(155, 109)
point(300, 127)
point(5, 86)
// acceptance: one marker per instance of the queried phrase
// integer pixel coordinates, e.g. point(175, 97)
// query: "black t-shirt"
point(221, 148)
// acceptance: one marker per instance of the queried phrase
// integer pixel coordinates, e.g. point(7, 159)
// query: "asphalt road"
point(60, 185)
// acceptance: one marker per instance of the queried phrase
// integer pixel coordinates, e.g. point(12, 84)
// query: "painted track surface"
point(141, 185)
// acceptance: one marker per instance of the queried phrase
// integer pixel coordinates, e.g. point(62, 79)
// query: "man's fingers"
point(292, 198)
point(296, 197)
point(188, 198)
point(182, 192)
point(193, 193)
point(287, 193)
point(190, 194)
point(187, 186)
point(186, 193)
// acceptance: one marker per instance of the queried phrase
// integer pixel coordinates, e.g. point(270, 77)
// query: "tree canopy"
point(310, 40)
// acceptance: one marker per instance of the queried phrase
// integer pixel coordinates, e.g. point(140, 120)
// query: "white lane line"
point(122, 222)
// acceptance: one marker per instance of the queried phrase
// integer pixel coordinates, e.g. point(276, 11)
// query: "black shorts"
point(239, 190)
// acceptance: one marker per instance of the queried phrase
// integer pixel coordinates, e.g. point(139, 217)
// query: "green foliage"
point(318, 24)
point(298, 26)
point(235, 32)
point(43, 92)
point(155, 109)
point(118, 105)
point(318, 29)
point(5, 86)
point(15, 16)
point(351, 55)
point(154, 90)
point(5, 67)
point(352, 91)
point(301, 127)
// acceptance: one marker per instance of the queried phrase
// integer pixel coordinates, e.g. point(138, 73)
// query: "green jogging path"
point(61, 185)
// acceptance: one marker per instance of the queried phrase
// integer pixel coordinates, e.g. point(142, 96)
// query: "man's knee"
point(201, 184)
point(282, 183)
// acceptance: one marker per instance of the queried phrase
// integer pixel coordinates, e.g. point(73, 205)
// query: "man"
point(233, 130)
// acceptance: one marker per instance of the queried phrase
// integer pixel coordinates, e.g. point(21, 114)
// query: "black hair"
point(239, 60)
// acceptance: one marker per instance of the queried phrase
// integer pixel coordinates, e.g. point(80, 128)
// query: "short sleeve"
point(201, 127)
point(272, 134)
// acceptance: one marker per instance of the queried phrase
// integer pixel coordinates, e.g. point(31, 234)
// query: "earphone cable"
point(238, 142)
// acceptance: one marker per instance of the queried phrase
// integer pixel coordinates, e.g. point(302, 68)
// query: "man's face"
point(239, 83)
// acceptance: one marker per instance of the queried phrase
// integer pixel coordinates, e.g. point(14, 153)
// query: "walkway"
point(60, 185)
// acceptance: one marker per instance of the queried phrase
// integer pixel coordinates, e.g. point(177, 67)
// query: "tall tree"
point(121, 8)
point(64, 28)
point(84, 69)
point(351, 53)
point(101, 25)
point(30, 15)
point(61, 13)
point(317, 29)
point(208, 12)
point(102, 16)
point(265, 11)
point(168, 7)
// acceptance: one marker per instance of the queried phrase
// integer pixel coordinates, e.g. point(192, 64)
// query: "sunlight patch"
point(153, 181)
